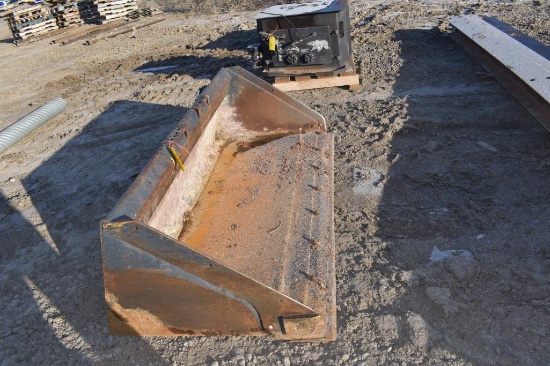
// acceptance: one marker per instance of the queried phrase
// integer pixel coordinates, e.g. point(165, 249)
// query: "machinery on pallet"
point(229, 228)
point(310, 38)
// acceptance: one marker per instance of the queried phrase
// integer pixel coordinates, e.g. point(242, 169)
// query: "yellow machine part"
point(272, 43)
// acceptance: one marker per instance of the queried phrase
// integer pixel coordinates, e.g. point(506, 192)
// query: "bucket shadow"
point(52, 277)
point(233, 41)
point(204, 67)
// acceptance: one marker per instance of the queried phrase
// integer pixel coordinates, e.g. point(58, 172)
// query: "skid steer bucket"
point(228, 230)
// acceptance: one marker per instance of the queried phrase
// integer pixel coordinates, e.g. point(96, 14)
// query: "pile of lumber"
point(102, 11)
point(66, 13)
point(26, 21)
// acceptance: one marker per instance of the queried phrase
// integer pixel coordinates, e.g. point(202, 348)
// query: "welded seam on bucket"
point(17, 131)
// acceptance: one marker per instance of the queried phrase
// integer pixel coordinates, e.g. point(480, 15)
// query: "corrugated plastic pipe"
point(14, 133)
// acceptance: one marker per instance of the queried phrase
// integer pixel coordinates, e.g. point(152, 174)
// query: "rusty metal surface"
point(149, 187)
point(157, 286)
point(518, 62)
point(147, 252)
point(249, 206)
point(140, 314)
point(259, 105)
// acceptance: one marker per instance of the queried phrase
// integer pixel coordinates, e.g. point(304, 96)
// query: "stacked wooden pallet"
point(102, 11)
point(6, 9)
point(346, 77)
point(27, 21)
point(66, 13)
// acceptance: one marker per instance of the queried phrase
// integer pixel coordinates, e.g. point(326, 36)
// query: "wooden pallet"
point(36, 31)
point(101, 11)
point(15, 21)
point(348, 79)
point(65, 9)
point(26, 13)
point(70, 23)
point(40, 37)
point(24, 37)
point(111, 5)
point(117, 4)
point(68, 15)
point(19, 27)
point(8, 9)
point(67, 12)
point(104, 2)
point(92, 8)
point(36, 27)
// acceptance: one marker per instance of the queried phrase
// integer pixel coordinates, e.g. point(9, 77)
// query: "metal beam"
point(519, 62)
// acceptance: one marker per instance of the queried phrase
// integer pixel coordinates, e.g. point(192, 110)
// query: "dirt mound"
point(215, 6)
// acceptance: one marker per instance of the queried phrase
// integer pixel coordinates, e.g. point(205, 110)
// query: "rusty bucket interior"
point(228, 230)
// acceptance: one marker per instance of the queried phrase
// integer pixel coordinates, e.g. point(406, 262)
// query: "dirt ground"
point(432, 154)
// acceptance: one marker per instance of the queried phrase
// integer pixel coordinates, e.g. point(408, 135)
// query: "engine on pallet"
point(304, 38)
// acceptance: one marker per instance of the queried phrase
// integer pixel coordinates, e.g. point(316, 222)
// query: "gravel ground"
point(432, 154)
